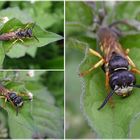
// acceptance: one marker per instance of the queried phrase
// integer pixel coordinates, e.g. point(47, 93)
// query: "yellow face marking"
point(124, 95)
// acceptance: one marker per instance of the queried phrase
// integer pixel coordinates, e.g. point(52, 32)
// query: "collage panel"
point(32, 69)
point(102, 69)
point(31, 106)
point(32, 34)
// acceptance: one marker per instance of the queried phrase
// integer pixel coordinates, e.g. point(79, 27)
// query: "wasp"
point(19, 34)
point(15, 99)
point(115, 62)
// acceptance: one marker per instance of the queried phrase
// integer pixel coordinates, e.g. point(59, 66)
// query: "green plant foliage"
point(122, 121)
point(84, 13)
point(49, 18)
point(43, 36)
point(54, 84)
point(79, 22)
point(39, 118)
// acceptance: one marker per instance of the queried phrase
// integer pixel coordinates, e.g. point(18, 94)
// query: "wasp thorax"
point(17, 100)
point(117, 62)
point(122, 82)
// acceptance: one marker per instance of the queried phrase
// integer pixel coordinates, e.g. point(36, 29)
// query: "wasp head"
point(122, 82)
point(29, 32)
point(17, 100)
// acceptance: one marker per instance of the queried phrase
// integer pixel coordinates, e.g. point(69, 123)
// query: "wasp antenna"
point(36, 38)
point(106, 99)
point(33, 25)
point(26, 99)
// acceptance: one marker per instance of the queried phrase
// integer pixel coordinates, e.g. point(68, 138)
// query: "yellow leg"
point(130, 61)
point(92, 68)
point(27, 26)
point(17, 40)
point(4, 104)
point(135, 70)
point(3, 97)
point(127, 51)
point(91, 51)
point(107, 81)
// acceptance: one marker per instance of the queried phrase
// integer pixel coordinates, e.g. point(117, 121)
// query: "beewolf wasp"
point(115, 62)
point(19, 34)
point(15, 99)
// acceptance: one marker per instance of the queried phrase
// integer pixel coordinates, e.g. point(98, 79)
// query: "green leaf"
point(128, 41)
point(2, 55)
point(134, 127)
point(47, 117)
point(39, 118)
point(17, 51)
point(43, 36)
point(40, 8)
point(124, 10)
point(79, 12)
point(75, 28)
point(16, 13)
point(81, 19)
point(32, 51)
point(3, 124)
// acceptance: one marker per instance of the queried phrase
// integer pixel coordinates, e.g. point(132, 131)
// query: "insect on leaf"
point(108, 122)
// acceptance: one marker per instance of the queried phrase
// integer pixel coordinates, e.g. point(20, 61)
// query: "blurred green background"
point(76, 126)
point(50, 16)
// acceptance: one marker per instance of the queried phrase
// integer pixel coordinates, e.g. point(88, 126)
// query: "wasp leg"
point(17, 40)
point(91, 51)
point(135, 70)
point(4, 102)
point(36, 38)
point(127, 51)
point(130, 61)
point(92, 68)
point(107, 80)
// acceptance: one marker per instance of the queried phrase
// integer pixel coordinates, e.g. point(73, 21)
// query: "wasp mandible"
point(15, 99)
point(115, 62)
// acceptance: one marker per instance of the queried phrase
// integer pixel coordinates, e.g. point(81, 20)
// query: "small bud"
point(30, 95)
point(32, 1)
point(31, 73)
point(4, 19)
